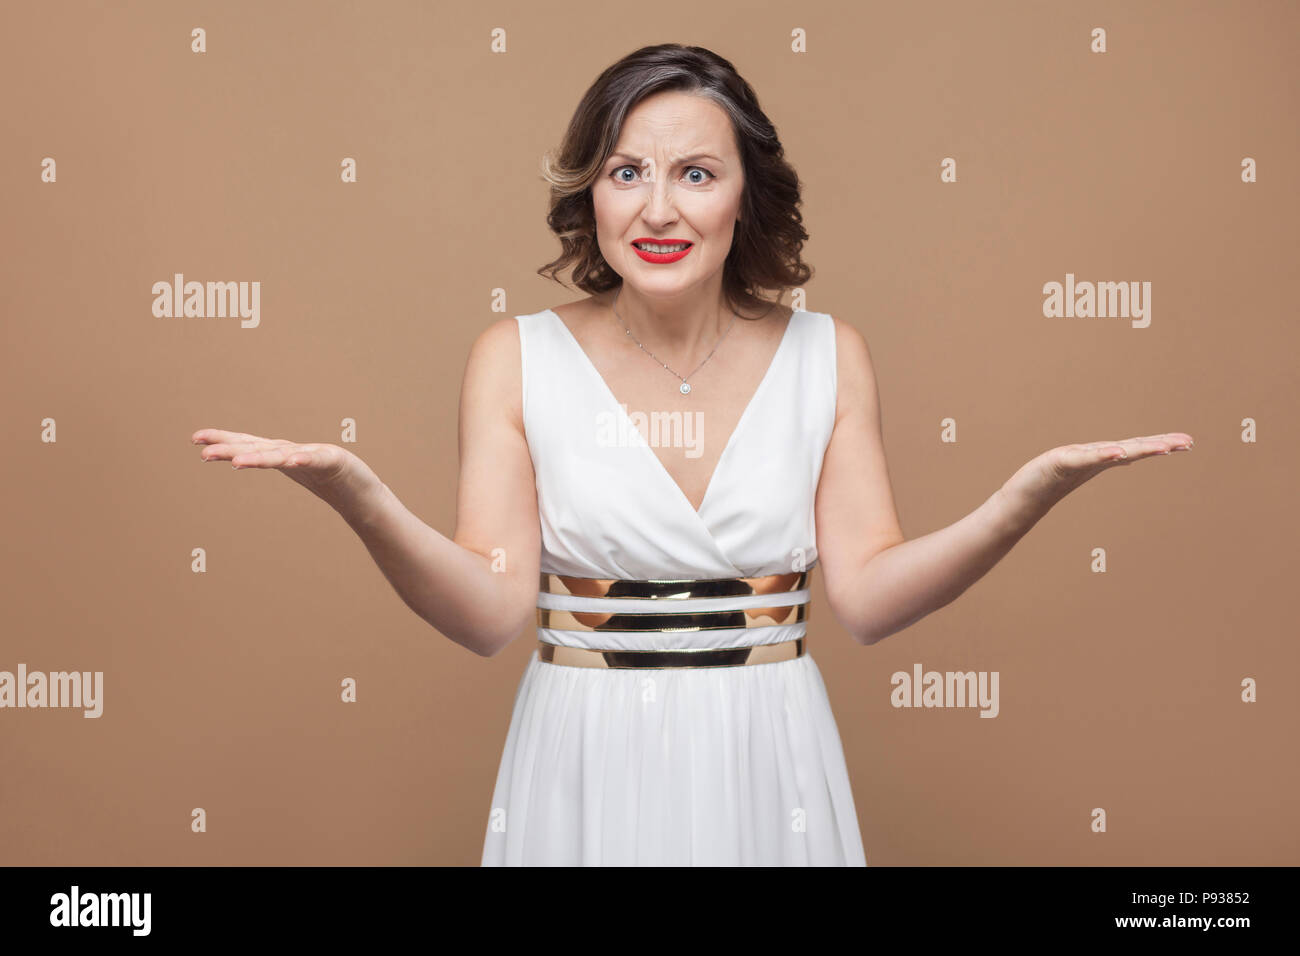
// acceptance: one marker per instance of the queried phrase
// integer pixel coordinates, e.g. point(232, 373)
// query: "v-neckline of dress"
point(731, 439)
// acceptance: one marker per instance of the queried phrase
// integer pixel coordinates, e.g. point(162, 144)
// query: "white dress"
point(735, 765)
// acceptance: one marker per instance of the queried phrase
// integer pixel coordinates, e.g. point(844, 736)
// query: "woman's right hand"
point(334, 474)
point(478, 587)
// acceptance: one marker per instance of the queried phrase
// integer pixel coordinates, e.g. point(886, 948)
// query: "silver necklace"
point(685, 387)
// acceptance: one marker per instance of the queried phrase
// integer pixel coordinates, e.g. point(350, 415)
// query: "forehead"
point(677, 123)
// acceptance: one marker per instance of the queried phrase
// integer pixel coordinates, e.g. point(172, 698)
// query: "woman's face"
point(675, 176)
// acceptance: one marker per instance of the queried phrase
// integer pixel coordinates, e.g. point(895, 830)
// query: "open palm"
point(1058, 471)
point(317, 466)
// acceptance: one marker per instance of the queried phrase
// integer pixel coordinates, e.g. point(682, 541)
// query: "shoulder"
point(494, 369)
point(855, 373)
point(496, 343)
point(850, 343)
point(577, 315)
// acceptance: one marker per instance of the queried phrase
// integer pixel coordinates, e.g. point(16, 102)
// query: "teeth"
point(651, 247)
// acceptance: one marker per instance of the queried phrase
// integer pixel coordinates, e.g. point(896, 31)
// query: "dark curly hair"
point(765, 250)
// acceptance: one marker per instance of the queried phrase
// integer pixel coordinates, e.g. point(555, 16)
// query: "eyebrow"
point(685, 159)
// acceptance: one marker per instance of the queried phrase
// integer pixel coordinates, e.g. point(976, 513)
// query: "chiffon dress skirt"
point(673, 766)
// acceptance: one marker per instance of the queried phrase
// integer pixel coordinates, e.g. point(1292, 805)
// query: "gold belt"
point(697, 657)
point(673, 590)
point(617, 618)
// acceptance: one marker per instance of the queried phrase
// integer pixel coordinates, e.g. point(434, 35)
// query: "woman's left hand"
point(1051, 476)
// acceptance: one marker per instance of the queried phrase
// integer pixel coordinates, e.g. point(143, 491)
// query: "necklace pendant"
point(686, 388)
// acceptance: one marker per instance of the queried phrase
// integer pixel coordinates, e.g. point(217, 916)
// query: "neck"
point(676, 326)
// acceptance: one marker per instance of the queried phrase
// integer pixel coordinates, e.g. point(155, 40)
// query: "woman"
point(682, 722)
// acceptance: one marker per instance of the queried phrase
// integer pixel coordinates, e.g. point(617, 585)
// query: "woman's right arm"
point(479, 587)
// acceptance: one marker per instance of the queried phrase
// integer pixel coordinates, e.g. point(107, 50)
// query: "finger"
point(1164, 444)
point(1079, 457)
point(211, 436)
point(262, 457)
point(1135, 449)
point(1114, 452)
point(223, 450)
point(1094, 456)
point(283, 455)
point(1169, 438)
point(228, 450)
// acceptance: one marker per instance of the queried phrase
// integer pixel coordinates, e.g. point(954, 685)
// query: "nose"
point(659, 207)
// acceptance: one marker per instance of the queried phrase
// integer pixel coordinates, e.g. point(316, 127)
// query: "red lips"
point(663, 257)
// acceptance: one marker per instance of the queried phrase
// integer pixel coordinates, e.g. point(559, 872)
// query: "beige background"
point(1119, 690)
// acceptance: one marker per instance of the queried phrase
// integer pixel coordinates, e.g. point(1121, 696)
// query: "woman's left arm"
point(879, 583)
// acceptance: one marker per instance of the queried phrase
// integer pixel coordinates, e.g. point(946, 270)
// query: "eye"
point(617, 176)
